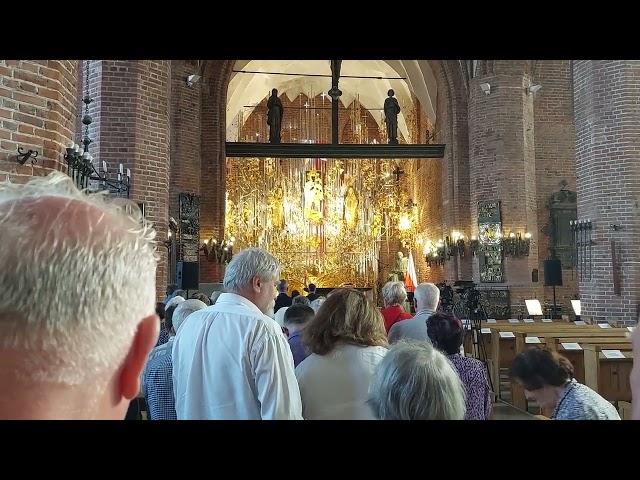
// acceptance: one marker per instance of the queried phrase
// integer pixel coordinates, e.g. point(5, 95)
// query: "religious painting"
point(276, 207)
point(490, 257)
point(313, 196)
point(351, 202)
point(189, 228)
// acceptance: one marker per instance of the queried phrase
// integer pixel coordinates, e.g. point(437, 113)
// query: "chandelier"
point(80, 166)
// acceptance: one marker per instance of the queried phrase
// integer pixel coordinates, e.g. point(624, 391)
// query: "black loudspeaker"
point(187, 275)
point(534, 275)
point(552, 273)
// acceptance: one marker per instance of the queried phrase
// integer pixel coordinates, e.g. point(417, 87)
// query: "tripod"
point(476, 314)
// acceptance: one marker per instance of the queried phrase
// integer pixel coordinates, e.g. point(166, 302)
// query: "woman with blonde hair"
point(347, 340)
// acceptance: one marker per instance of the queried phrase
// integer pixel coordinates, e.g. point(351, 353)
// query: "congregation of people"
point(250, 351)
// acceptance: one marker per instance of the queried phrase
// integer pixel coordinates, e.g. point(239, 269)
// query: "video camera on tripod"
point(469, 294)
point(470, 307)
point(446, 297)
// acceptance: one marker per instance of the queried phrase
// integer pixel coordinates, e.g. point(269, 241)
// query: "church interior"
point(511, 185)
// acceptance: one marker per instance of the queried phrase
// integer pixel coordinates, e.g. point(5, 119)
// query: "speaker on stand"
point(553, 278)
point(187, 276)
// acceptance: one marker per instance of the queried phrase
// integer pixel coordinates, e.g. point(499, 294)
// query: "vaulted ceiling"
point(250, 89)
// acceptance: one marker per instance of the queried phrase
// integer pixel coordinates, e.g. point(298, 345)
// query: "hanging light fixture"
point(80, 165)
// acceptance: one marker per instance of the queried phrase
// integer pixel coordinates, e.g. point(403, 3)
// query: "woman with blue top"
point(547, 378)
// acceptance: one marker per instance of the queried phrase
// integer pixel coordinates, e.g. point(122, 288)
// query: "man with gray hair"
point(77, 351)
point(414, 381)
point(425, 299)
point(158, 384)
point(231, 360)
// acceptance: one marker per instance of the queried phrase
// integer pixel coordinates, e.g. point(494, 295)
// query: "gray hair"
point(248, 264)
point(78, 275)
point(394, 293)
point(427, 295)
point(214, 296)
point(317, 303)
point(300, 300)
point(185, 309)
point(414, 381)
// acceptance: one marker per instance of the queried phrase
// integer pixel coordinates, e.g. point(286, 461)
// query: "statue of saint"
point(391, 111)
point(399, 268)
point(277, 208)
point(274, 116)
point(313, 196)
point(351, 202)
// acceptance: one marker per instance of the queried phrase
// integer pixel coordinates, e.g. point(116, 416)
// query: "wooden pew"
point(624, 409)
point(576, 357)
point(503, 348)
point(608, 376)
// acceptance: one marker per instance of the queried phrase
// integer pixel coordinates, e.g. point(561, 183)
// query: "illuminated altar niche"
point(328, 251)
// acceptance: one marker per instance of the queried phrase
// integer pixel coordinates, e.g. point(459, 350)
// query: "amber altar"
point(325, 219)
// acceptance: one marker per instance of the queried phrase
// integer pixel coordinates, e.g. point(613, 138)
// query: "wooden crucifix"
point(398, 172)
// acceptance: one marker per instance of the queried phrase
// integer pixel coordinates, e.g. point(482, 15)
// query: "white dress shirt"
point(335, 386)
point(232, 362)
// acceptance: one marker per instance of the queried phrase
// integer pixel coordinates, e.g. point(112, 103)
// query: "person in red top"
point(394, 295)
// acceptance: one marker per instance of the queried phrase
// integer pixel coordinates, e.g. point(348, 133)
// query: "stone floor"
point(506, 411)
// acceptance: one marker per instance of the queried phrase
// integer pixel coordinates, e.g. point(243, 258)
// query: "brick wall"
point(131, 126)
point(212, 171)
point(607, 117)
point(452, 128)
point(37, 111)
point(555, 159)
point(502, 166)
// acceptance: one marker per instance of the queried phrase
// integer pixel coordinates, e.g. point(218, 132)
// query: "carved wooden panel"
point(490, 237)
point(189, 228)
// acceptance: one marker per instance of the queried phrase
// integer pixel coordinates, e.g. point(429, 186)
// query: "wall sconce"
point(515, 245)
point(474, 245)
point(219, 252)
point(22, 157)
point(486, 88)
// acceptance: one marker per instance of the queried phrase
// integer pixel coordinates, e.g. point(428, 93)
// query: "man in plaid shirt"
point(158, 383)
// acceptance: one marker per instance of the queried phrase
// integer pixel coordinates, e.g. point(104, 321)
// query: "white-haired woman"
point(394, 295)
point(414, 381)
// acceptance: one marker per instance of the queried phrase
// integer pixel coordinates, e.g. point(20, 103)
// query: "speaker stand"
point(553, 313)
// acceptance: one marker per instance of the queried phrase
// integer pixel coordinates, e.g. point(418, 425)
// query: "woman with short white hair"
point(414, 381)
point(394, 296)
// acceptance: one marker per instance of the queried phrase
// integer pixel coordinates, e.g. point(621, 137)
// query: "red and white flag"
point(410, 279)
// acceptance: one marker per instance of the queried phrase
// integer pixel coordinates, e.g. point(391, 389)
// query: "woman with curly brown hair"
point(347, 340)
point(547, 378)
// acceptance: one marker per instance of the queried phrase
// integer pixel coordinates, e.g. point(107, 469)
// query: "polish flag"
point(410, 279)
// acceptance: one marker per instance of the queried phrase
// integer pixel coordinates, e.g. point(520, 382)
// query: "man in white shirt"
point(231, 361)
point(426, 298)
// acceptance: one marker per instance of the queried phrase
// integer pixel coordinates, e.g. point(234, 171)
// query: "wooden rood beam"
point(326, 150)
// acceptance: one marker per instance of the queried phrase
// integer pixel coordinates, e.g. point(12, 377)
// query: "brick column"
point(555, 159)
point(502, 166)
point(38, 106)
point(607, 116)
point(213, 168)
point(131, 126)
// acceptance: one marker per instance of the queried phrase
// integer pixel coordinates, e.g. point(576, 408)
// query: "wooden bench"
point(625, 411)
point(608, 376)
point(503, 341)
point(576, 357)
